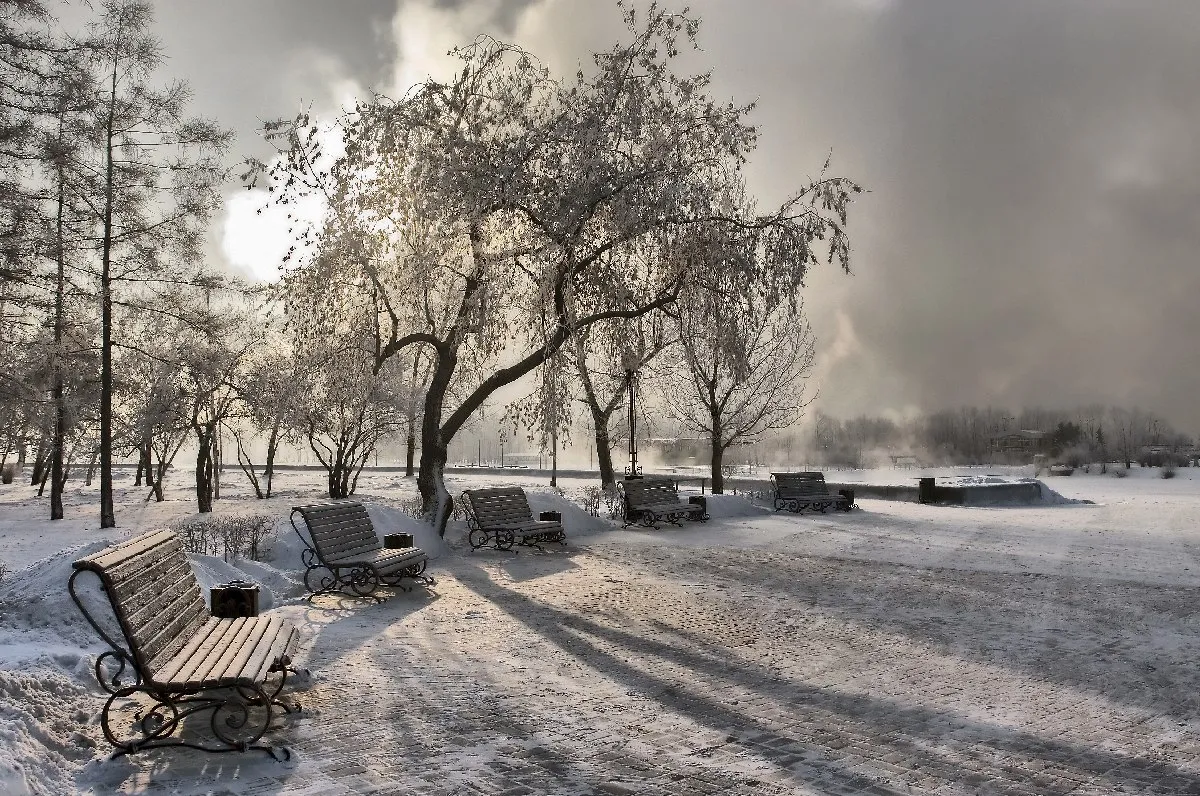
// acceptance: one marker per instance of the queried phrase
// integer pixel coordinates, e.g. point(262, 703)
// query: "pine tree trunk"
point(108, 515)
point(57, 478)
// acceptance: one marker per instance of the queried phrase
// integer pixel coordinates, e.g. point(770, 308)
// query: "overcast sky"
point(1031, 234)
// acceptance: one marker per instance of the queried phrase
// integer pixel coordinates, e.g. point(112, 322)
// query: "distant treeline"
point(971, 435)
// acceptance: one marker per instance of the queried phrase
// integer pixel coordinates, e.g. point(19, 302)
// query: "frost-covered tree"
point(605, 356)
point(467, 211)
point(740, 371)
point(347, 408)
point(157, 174)
point(267, 384)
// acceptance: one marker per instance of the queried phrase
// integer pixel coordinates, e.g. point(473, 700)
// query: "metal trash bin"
point(925, 490)
point(700, 500)
point(394, 541)
point(550, 516)
point(848, 494)
point(234, 599)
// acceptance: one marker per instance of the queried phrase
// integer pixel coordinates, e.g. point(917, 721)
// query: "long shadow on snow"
point(851, 719)
point(1078, 632)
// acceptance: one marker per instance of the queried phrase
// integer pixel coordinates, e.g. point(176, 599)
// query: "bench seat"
point(501, 517)
point(183, 659)
point(806, 490)
point(229, 652)
point(649, 501)
point(343, 553)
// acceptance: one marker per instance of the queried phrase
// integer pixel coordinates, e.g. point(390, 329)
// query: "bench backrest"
point(649, 491)
point(154, 595)
point(800, 484)
point(340, 530)
point(499, 505)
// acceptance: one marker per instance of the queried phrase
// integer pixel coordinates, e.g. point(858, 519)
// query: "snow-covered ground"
point(901, 648)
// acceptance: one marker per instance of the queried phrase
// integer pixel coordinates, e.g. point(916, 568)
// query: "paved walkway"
point(656, 669)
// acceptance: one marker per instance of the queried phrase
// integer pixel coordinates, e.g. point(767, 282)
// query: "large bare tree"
point(740, 371)
point(468, 211)
point(156, 179)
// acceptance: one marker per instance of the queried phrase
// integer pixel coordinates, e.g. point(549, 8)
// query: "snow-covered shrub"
point(614, 504)
point(238, 536)
point(591, 498)
point(1168, 470)
point(412, 507)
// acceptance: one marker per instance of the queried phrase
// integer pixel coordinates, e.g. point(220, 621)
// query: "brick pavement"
point(653, 669)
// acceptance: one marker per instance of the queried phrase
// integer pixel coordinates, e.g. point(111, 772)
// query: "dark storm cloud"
point(1034, 167)
point(248, 62)
point(504, 13)
point(1032, 230)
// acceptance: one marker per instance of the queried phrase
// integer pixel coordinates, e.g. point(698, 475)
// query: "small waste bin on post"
point(925, 490)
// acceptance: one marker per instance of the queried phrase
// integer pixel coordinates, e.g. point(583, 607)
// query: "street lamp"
point(632, 470)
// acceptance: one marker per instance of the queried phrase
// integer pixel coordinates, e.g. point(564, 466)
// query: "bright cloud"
point(256, 235)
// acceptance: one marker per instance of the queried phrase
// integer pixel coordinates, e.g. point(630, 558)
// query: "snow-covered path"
point(900, 649)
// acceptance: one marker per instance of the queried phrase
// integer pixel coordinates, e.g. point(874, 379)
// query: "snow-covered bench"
point(651, 500)
point(800, 491)
point(181, 660)
point(342, 552)
point(501, 516)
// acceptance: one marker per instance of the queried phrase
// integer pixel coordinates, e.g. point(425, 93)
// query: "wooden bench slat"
point(239, 640)
point(111, 556)
point(200, 652)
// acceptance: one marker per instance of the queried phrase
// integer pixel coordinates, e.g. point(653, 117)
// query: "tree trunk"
point(435, 503)
point(717, 454)
point(91, 469)
point(608, 478)
point(554, 458)
point(157, 488)
point(41, 458)
point(247, 466)
point(272, 447)
point(57, 478)
point(215, 461)
point(108, 514)
point(410, 449)
point(204, 470)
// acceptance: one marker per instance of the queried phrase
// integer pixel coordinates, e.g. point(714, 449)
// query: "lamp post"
point(632, 471)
